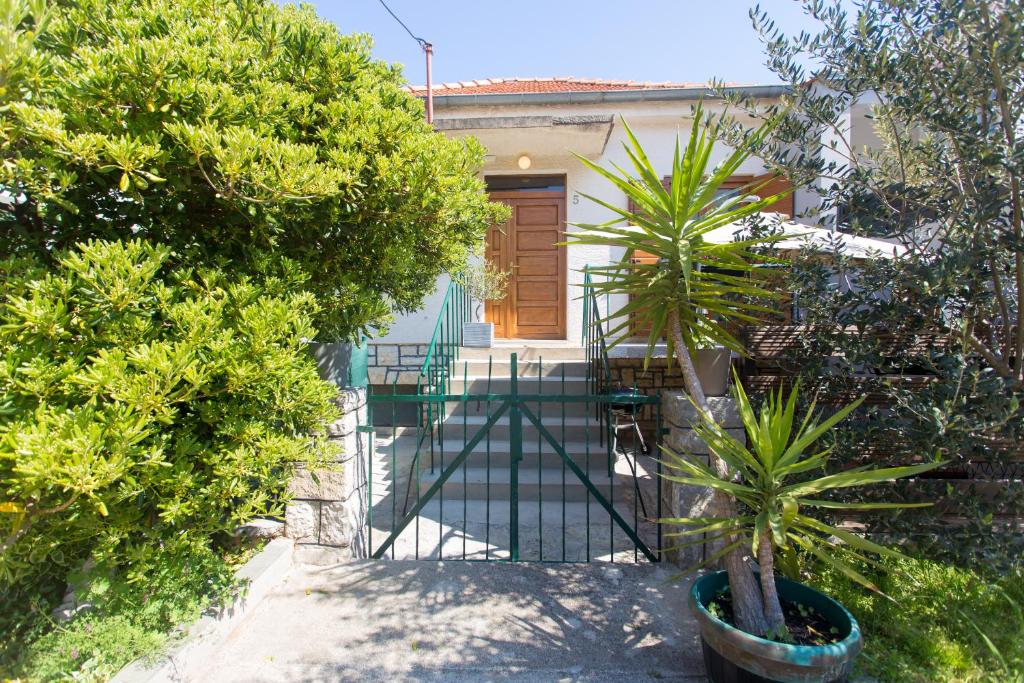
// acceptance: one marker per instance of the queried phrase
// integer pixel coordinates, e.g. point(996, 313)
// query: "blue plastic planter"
point(733, 656)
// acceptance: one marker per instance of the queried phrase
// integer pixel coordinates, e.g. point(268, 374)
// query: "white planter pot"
point(478, 335)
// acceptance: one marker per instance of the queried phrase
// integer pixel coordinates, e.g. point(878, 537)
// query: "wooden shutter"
point(776, 184)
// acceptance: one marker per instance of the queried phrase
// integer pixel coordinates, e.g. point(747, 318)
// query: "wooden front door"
point(526, 246)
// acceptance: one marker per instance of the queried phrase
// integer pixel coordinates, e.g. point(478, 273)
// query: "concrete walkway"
point(467, 621)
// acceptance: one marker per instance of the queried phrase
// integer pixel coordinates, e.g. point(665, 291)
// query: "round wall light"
point(525, 162)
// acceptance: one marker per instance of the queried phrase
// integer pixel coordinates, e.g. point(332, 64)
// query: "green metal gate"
point(419, 477)
point(544, 467)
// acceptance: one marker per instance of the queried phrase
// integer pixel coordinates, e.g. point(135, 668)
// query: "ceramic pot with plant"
point(810, 637)
point(484, 282)
point(693, 291)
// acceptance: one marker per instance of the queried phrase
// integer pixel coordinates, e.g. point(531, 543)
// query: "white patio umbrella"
point(799, 236)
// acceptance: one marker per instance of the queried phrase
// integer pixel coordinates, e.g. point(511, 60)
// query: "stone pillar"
point(326, 514)
point(684, 500)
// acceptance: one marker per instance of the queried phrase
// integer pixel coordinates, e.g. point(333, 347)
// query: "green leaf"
point(858, 477)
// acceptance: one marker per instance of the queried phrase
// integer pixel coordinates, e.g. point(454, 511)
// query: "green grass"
point(128, 620)
point(939, 623)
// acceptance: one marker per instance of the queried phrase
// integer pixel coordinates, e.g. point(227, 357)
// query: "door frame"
point(562, 260)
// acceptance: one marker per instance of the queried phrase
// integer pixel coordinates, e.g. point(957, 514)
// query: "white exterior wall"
point(656, 125)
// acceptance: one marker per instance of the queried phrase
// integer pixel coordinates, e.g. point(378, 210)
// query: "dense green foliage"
point(939, 623)
point(127, 620)
point(225, 129)
point(942, 82)
point(145, 411)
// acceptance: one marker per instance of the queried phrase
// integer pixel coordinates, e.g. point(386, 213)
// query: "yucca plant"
point(695, 288)
point(769, 479)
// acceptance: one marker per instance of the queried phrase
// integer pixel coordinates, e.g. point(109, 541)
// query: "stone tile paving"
point(467, 621)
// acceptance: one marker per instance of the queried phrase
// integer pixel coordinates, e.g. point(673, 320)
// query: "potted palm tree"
point(688, 296)
point(694, 287)
point(809, 636)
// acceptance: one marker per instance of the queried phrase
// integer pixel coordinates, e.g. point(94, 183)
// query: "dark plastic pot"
point(733, 656)
point(341, 363)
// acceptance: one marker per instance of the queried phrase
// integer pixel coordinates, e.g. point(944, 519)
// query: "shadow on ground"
point(467, 621)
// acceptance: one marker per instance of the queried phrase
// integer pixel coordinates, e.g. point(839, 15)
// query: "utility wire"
point(419, 40)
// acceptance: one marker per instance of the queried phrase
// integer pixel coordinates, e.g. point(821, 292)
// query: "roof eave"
point(602, 96)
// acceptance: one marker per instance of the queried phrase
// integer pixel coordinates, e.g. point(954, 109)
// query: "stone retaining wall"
point(391, 362)
point(684, 500)
point(327, 510)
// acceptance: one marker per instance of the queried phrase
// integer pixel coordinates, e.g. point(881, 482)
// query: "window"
point(525, 183)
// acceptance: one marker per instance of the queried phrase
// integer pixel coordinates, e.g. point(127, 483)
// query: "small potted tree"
point(809, 636)
point(483, 282)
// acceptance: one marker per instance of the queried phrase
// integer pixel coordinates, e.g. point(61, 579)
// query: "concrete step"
point(479, 483)
point(576, 428)
point(501, 366)
point(586, 456)
point(550, 412)
point(481, 384)
point(556, 351)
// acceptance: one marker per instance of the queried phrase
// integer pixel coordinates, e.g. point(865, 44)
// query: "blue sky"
point(656, 40)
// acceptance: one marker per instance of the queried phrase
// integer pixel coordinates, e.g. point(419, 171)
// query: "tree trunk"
point(748, 608)
point(772, 606)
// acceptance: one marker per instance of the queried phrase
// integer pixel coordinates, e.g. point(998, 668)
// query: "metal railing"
point(545, 440)
point(446, 339)
point(599, 373)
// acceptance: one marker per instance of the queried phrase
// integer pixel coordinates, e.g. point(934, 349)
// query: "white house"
point(531, 127)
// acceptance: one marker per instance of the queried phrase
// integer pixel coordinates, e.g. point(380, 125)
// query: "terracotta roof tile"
point(491, 86)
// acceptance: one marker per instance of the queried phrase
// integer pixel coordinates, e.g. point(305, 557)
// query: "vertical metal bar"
point(419, 488)
point(657, 460)
point(442, 408)
point(465, 438)
point(610, 445)
point(462, 320)
point(394, 460)
point(369, 480)
point(487, 513)
point(563, 462)
point(636, 482)
point(586, 441)
point(430, 410)
point(540, 460)
point(516, 453)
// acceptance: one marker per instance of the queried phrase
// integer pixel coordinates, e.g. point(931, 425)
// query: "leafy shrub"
point(127, 620)
point(938, 623)
point(217, 126)
point(145, 411)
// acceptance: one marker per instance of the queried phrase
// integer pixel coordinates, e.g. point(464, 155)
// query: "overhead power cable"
point(401, 23)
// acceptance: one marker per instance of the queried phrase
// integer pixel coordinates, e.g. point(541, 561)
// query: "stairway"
point(558, 516)
point(478, 372)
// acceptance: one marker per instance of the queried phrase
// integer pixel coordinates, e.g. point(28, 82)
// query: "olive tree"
point(941, 83)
